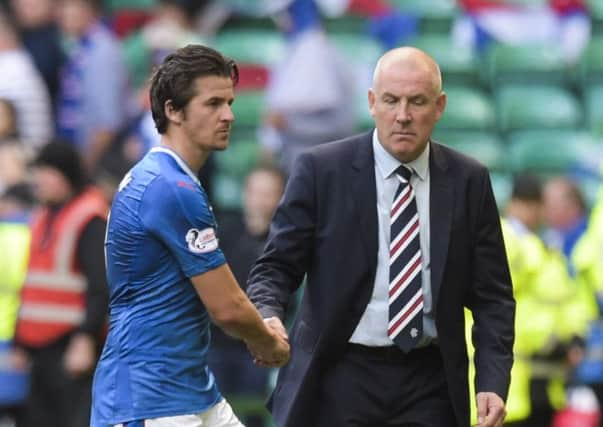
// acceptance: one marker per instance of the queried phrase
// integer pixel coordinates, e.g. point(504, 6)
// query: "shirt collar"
point(387, 164)
point(178, 160)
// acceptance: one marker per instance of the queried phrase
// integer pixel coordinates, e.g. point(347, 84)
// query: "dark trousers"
point(56, 399)
point(371, 387)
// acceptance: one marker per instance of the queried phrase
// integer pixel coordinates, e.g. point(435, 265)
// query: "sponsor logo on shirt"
point(201, 241)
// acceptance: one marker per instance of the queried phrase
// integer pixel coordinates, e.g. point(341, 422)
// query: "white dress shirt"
point(372, 328)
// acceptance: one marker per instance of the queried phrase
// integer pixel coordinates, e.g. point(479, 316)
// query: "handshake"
point(272, 350)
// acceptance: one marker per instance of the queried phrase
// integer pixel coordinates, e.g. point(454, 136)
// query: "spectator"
point(242, 241)
point(64, 298)
point(310, 95)
point(22, 85)
point(41, 37)
point(93, 98)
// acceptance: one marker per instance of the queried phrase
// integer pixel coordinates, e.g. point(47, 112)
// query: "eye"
point(417, 101)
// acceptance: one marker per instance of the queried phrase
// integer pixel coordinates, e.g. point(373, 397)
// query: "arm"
point(81, 352)
point(279, 271)
point(493, 307)
point(232, 311)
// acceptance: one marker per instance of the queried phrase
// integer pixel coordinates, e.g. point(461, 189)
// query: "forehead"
point(405, 81)
point(214, 86)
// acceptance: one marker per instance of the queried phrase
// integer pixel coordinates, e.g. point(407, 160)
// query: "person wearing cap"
point(64, 298)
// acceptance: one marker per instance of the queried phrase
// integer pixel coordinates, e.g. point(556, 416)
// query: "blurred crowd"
point(75, 116)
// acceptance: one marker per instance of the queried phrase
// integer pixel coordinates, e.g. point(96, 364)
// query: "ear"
point(372, 98)
point(441, 105)
point(173, 115)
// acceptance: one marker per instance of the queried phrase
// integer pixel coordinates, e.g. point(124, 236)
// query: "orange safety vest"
point(53, 298)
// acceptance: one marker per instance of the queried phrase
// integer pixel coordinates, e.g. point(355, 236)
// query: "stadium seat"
point(591, 63)
point(595, 8)
point(357, 48)
point(467, 108)
point(248, 107)
point(536, 106)
point(593, 102)
point(117, 5)
point(486, 147)
point(502, 185)
point(251, 46)
point(548, 152)
point(459, 65)
point(435, 16)
point(542, 63)
point(226, 192)
point(240, 158)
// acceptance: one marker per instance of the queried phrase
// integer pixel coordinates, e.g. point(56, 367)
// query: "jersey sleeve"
point(180, 217)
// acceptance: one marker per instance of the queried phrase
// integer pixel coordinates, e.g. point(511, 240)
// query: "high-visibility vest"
point(53, 299)
point(14, 246)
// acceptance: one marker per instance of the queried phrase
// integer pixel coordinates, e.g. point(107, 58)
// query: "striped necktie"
point(405, 292)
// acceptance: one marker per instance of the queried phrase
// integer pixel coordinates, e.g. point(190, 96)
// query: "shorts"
point(219, 415)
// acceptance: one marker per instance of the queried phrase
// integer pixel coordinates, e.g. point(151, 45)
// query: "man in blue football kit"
point(167, 274)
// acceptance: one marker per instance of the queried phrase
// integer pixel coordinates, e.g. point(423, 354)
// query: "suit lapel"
point(364, 195)
point(441, 200)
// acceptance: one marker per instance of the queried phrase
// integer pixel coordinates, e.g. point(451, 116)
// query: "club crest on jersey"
point(201, 241)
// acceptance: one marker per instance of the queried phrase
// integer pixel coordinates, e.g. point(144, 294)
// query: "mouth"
point(403, 133)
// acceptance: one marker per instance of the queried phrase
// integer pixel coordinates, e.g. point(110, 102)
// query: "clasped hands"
point(273, 353)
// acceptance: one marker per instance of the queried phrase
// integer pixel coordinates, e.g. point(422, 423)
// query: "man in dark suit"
point(396, 234)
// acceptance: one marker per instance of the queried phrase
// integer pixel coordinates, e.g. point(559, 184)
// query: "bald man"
point(396, 235)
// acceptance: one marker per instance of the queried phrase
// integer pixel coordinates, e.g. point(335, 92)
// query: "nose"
point(227, 114)
point(403, 113)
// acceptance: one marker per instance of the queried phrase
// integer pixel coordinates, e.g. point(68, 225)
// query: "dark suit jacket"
point(326, 227)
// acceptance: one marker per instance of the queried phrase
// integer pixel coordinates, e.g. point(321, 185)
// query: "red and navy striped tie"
point(405, 292)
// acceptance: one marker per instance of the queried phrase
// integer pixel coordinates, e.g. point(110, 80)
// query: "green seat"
point(502, 186)
point(593, 100)
point(591, 63)
point(541, 63)
point(595, 8)
point(248, 107)
point(239, 159)
point(458, 65)
point(536, 106)
point(251, 46)
point(357, 48)
point(345, 24)
point(226, 192)
point(117, 5)
point(485, 147)
point(467, 108)
point(549, 152)
point(435, 16)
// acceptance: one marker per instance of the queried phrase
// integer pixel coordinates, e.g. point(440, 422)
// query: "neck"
point(193, 156)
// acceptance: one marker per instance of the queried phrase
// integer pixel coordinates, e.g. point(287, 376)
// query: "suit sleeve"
point(491, 300)
point(279, 271)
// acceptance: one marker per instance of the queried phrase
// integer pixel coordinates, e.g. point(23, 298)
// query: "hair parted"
point(174, 79)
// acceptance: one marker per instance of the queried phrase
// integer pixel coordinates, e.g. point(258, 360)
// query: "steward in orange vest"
point(65, 295)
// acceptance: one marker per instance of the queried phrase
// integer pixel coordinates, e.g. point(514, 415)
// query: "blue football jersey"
point(161, 232)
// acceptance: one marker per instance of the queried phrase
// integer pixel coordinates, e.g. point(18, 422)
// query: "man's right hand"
point(274, 351)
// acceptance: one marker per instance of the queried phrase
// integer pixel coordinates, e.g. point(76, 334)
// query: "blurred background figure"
point(171, 26)
point(64, 298)
point(565, 23)
point(41, 38)
point(93, 98)
point(242, 239)
point(309, 98)
point(15, 206)
point(22, 85)
point(13, 158)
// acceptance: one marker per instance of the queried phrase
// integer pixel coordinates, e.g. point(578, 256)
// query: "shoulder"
point(337, 153)
point(460, 163)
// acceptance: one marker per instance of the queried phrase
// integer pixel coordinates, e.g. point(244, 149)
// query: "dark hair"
point(65, 158)
point(175, 78)
point(527, 187)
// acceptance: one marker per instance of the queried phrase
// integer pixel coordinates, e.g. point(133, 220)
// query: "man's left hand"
point(491, 410)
